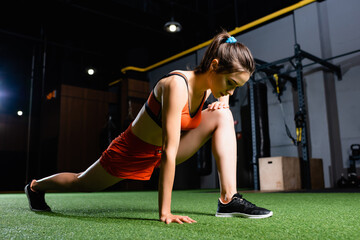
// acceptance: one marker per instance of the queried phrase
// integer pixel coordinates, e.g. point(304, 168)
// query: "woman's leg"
point(95, 178)
point(220, 125)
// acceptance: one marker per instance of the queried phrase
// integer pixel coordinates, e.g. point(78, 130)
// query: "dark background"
point(46, 44)
point(109, 35)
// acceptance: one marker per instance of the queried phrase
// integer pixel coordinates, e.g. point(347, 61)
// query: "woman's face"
point(225, 83)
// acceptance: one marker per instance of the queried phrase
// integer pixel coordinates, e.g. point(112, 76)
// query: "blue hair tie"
point(231, 40)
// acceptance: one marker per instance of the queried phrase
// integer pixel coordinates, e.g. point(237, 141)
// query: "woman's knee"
point(222, 116)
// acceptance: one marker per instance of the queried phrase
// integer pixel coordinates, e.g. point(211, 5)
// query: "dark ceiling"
point(126, 32)
point(117, 28)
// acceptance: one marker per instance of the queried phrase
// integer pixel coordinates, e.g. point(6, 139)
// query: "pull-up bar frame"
point(271, 67)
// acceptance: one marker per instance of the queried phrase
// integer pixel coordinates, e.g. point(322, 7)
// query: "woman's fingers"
point(178, 219)
point(217, 105)
point(188, 220)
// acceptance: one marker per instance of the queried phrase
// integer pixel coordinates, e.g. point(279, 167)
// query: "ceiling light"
point(172, 26)
point(91, 71)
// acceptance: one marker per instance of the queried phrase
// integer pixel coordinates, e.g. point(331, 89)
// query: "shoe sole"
point(33, 209)
point(243, 215)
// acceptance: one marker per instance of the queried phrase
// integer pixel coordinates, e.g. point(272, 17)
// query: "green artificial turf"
point(134, 215)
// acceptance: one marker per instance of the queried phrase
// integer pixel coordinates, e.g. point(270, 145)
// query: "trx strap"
point(298, 130)
point(299, 122)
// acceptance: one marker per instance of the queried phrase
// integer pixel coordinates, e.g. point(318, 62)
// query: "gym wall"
point(324, 29)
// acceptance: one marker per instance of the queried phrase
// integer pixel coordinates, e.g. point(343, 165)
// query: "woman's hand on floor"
point(176, 219)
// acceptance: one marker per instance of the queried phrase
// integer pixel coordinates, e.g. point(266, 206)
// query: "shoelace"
point(247, 203)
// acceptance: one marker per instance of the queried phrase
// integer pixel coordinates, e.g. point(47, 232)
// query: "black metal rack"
point(272, 68)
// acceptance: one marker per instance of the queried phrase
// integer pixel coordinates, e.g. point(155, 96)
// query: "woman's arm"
point(174, 97)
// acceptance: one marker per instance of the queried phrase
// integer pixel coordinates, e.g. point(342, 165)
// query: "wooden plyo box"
point(317, 173)
point(279, 173)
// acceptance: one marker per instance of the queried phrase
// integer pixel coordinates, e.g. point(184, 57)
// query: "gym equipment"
point(353, 180)
point(273, 68)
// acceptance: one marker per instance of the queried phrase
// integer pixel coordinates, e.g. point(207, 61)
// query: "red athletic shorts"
point(129, 157)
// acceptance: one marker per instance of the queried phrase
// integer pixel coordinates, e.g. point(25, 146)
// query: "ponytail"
point(233, 56)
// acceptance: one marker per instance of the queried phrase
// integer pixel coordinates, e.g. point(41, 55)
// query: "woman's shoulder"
point(172, 78)
point(186, 74)
point(180, 71)
point(172, 82)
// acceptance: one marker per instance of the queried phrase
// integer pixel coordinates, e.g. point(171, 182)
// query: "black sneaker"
point(36, 200)
point(240, 207)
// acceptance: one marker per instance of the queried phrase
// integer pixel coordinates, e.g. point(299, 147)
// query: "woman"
point(168, 130)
